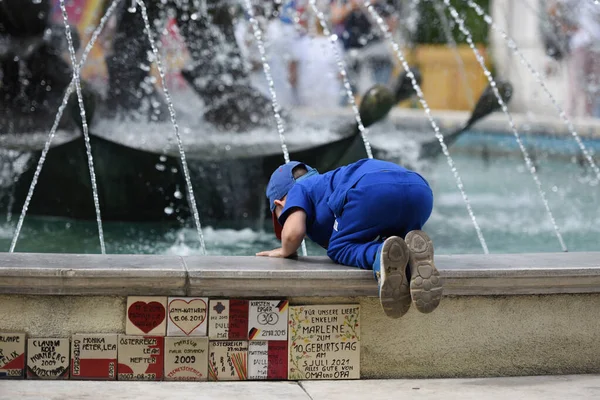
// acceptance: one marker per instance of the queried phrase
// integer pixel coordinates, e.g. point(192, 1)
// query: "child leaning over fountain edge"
point(367, 214)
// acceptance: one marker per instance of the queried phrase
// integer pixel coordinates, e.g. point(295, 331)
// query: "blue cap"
point(282, 180)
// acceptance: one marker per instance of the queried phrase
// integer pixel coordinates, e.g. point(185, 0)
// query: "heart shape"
point(146, 316)
point(187, 315)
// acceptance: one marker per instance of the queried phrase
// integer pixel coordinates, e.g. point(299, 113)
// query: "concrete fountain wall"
point(501, 315)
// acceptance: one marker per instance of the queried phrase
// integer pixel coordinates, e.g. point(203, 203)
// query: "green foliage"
point(431, 31)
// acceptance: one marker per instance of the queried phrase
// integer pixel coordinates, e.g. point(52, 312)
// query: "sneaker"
point(425, 282)
point(394, 292)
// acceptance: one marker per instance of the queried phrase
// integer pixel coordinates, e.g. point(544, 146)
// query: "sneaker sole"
point(394, 291)
point(425, 283)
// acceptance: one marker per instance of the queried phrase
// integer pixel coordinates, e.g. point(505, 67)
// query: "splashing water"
point(386, 31)
point(526, 157)
point(342, 68)
point(267, 70)
point(61, 109)
point(86, 136)
point(12, 177)
point(258, 34)
point(186, 172)
point(513, 46)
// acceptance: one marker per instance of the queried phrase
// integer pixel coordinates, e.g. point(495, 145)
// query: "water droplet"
point(160, 167)
point(178, 194)
point(163, 158)
point(169, 210)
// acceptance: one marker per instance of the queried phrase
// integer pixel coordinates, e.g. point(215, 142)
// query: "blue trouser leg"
point(379, 206)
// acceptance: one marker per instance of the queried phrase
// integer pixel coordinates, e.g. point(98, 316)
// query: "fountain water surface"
point(182, 237)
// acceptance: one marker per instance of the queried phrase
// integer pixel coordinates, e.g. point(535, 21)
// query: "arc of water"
point(528, 162)
point(61, 110)
point(86, 135)
point(513, 46)
point(386, 31)
point(267, 70)
point(340, 63)
point(186, 172)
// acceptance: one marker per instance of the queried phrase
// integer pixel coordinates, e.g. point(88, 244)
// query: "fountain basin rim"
point(248, 276)
point(496, 122)
point(237, 145)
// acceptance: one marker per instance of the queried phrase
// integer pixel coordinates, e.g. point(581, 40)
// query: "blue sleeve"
point(297, 197)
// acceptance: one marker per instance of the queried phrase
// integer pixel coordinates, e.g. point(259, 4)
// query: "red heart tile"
point(146, 316)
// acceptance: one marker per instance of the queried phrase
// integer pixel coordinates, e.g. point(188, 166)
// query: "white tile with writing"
point(140, 358)
point(227, 360)
point(187, 316)
point(268, 320)
point(48, 358)
point(228, 319)
point(12, 355)
point(267, 360)
point(324, 342)
point(146, 316)
point(186, 358)
point(94, 356)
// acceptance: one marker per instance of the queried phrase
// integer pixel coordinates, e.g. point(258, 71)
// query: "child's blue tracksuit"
point(351, 210)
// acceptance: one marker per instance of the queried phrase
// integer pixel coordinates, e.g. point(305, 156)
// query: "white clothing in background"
point(585, 14)
point(279, 40)
point(319, 83)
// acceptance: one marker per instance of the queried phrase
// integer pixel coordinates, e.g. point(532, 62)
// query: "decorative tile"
point(267, 359)
point(186, 359)
point(268, 320)
point(324, 342)
point(94, 356)
point(228, 319)
point(187, 316)
point(146, 316)
point(12, 355)
point(48, 358)
point(140, 358)
point(227, 360)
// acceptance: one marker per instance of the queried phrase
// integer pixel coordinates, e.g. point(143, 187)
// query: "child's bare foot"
point(425, 282)
point(394, 292)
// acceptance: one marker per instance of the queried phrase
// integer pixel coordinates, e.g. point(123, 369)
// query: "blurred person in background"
point(579, 20)
point(280, 39)
point(315, 73)
point(361, 36)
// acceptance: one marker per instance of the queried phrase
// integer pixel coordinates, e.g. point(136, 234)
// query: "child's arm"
point(293, 232)
point(292, 235)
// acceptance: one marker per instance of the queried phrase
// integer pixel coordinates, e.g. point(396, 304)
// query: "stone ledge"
point(464, 275)
point(83, 274)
